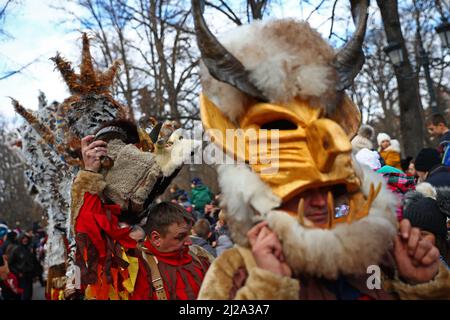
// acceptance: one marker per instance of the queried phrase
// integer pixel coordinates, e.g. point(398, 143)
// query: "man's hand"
point(417, 258)
point(267, 250)
point(92, 151)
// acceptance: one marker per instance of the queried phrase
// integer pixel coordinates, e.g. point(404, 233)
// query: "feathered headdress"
point(90, 105)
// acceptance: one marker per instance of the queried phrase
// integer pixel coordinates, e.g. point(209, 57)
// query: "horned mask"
point(280, 78)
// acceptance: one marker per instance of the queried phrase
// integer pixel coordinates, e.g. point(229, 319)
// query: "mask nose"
point(326, 140)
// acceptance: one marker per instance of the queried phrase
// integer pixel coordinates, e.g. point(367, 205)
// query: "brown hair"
point(436, 119)
point(162, 215)
point(202, 228)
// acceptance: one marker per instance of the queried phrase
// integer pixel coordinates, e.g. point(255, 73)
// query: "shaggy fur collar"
point(85, 181)
point(346, 249)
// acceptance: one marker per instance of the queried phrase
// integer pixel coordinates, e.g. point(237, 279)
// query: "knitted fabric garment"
point(125, 182)
point(360, 142)
point(382, 137)
point(426, 215)
point(426, 159)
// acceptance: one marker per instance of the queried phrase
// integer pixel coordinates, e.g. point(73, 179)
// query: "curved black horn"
point(350, 58)
point(222, 65)
point(154, 134)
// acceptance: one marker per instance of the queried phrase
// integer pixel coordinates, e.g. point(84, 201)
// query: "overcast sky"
point(36, 35)
point(38, 31)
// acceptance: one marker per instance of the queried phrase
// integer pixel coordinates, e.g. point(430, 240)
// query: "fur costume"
point(291, 85)
point(49, 179)
point(104, 205)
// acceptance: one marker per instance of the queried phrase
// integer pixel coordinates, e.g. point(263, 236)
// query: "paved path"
point(38, 291)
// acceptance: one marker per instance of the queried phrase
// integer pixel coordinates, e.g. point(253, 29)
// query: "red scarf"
point(175, 258)
point(181, 273)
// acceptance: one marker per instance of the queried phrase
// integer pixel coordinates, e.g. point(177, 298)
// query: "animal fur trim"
point(293, 60)
point(85, 181)
point(439, 288)
point(218, 281)
point(266, 285)
point(427, 190)
point(424, 189)
point(244, 197)
point(259, 285)
point(198, 251)
point(346, 249)
point(395, 146)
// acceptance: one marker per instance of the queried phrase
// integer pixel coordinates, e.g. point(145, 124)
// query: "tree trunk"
point(411, 115)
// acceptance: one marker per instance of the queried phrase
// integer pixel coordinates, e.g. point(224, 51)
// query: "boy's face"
point(436, 131)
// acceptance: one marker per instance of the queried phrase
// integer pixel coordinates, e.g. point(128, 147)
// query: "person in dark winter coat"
point(8, 280)
point(429, 169)
point(23, 263)
point(176, 193)
point(428, 209)
point(11, 239)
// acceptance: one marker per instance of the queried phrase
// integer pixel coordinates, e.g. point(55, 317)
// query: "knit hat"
point(196, 181)
point(427, 159)
point(381, 137)
point(426, 215)
point(369, 158)
point(366, 131)
point(359, 142)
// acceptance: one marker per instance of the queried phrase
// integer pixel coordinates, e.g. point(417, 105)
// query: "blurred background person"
point(389, 150)
point(429, 168)
point(363, 139)
point(200, 196)
point(224, 241)
point(201, 233)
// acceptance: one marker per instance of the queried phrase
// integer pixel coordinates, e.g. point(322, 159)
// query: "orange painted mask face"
point(294, 150)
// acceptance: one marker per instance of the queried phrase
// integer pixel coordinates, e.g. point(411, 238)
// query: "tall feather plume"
point(45, 133)
point(106, 79)
point(49, 179)
point(88, 81)
point(42, 129)
point(87, 73)
point(89, 105)
point(69, 75)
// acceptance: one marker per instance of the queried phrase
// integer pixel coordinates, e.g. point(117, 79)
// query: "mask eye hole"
point(282, 124)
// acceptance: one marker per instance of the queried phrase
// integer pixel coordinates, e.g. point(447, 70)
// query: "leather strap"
point(157, 282)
